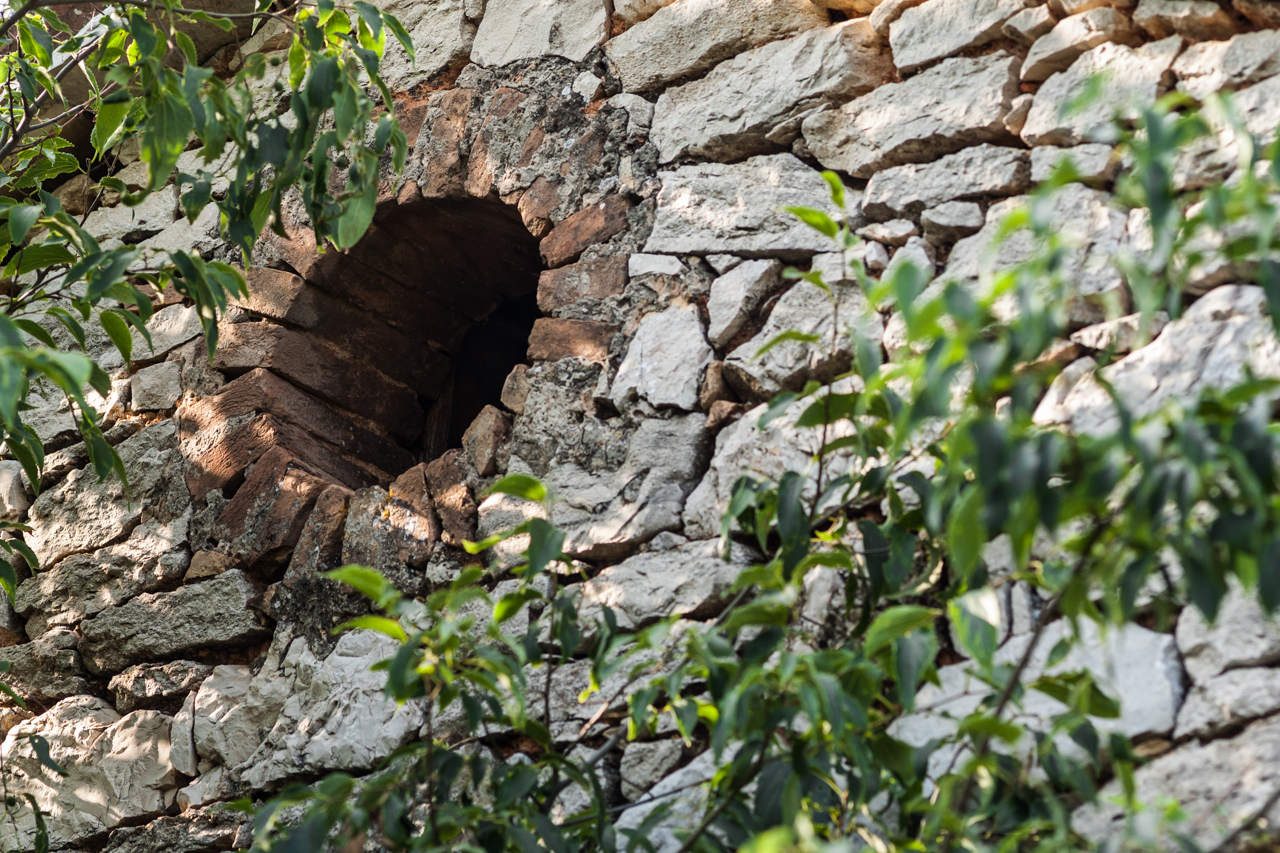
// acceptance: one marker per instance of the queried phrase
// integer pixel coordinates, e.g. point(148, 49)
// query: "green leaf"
point(381, 624)
point(369, 583)
point(118, 330)
point(976, 618)
point(164, 136)
point(520, 486)
point(837, 188)
point(894, 623)
point(41, 746)
point(22, 217)
point(109, 125)
point(815, 219)
point(8, 579)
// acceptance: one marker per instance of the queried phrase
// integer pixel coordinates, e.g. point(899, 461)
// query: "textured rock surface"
point(665, 360)
point(1057, 49)
point(953, 104)
point(736, 209)
point(737, 295)
point(1215, 66)
point(523, 29)
point(1224, 702)
point(754, 103)
point(688, 37)
point(984, 170)
point(941, 28)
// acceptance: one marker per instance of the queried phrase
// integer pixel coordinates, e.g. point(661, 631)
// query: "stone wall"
point(624, 165)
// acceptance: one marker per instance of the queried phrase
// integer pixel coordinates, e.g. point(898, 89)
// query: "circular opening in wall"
point(365, 362)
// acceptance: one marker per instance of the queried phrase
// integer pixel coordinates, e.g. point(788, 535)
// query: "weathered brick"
point(323, 371)
point(552, 339)
point(585, 228)
point(265, 518)
point(446, 477)
point(595, 279)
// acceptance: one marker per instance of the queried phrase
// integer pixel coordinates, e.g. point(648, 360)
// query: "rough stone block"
point(1195, 20)
point(157, 387)
point(941, 28)
point(588, 226)
point(555, 339)
point(1072, 36)
point(265, 518)
point(524, 29)
point(599, 278)
point(981, 171)
point(737, 295)
point(483, 438)
point(664, 360)
point(159, 687)
point(1216, 66)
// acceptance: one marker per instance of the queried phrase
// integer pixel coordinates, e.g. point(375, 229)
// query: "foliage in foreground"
point(133, 71)
point(1160, 513)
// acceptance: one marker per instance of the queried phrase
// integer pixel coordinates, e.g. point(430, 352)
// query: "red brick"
point(595, 279)
point(323, 371)
point(263, 521)
point(553, 339)
point(585, 228)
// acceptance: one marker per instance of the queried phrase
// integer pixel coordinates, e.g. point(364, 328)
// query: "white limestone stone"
point(157, 387)
point(1216, 66)
point(1029, 24)
point(1196, 20)
point(952, 221)
point(1093, 161)
point(441, 34)
point(981, 171)
point(524, 29)
point(1072, 36)
point(942, 28)
point(895, 232)
point(665, 360)
point(737, 295)
point(641, 264)
point(1227, 701)
point(643, 764)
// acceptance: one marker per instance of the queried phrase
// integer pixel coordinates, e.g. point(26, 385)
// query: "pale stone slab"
point(1029, 24)
point(1092, 161)
point(442, 38)
point(1196, 20)
point(689, 37)
point(737, 295)
point(1072, 36)
point(958, 103)
point(984, 170)
point(942, 28)
point(665, 360)
point(1216, 66)
point(524, 29)
point(952, 221)
point(754, 103)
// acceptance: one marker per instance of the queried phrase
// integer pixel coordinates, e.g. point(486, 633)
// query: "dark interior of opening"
point(439, 297)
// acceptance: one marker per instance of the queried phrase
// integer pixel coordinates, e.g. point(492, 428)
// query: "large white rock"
point(1093, 229)
point(118, 769)
point(1215, 66)
point(1132, 79)
point(442, 38)
point(609, 514)
point(984, 170)
point(755, 102)
point(789, 365)
point(684, 796)
point(524, 29)
point(690, 580)
point(665, 360)
point(1228, 701)
point(688, 37)
point(956, 103)
point(1219, 787)
point(1132, 664)
point(157, 212)
point(1221, 335)
point(736, 209)
point(941, 28)
point(737, 295)
point(1072, 36)
point(170, 328)
point(1196, 20)
point(633, 12)
point(1242, 635)
point(643, 764)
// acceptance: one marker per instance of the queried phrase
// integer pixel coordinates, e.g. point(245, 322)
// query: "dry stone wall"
point(623, 166)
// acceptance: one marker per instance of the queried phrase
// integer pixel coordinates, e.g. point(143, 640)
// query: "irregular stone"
point(984, 170)
point(633, 12)
point(194, 832)
point(1019, 109)
point(1219, 787)
point(888, 11)
point(744, 449)
point(227, 728)
point(1262, 13)
point(753, 103)
point(157, 387)
point(47, 669)
point(952, 221)
point(451, 497)
point(737, 295)
point(553, 339)
point(789, 365)
point(132, 224)
point(591, 225)
point(1094, 230)
point(13, 494)
point(643, 764)
point(895, 232)
point(118, 769)
point(1242, 635)
point(665, 360)
point(688, 37)
point(515, 389)
point(483, 438)
point(1223, 334)
point(1216, 66)
point(264, 519)
point(712, 208)
point(684, 795)
point(170, 328)
point(442, 39)
point(182, 744)
point(155, 556)
point(641, 264)
point(1093, 162)
point(1051, 409)
point(1228, 701)
point(1073, 36)
point(916, 253)
point(1134, 79)
point(1195, 20)
point(210, 615)
point(691, 580)
point(157, 687)
point(587, 280)
point(1136, 666)
point(1029, 24)
point(607, 515)
point(336, 716)
point(1122, 335)
point(525, 29)
point(957, 103)
point(941, 28)
point(81, 513)
point(394, 532)
point(639, 112)
point(208, 564)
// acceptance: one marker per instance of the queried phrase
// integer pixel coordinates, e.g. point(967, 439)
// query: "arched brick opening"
point(362, 363)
